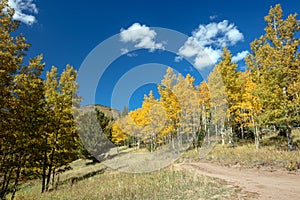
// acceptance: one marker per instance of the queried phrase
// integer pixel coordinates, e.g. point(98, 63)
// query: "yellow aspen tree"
point(228, 72)
point(170, 103)
point(137, 120)
point(274, 63)
point(29, 118)
point(194, 109)
point(186, 94)
point(61, 138)
point(149, 121)
point(249, 106)
point(218, 98)
point(205, 106)
point(182, 93)
point(17, 81)
point(119, 136)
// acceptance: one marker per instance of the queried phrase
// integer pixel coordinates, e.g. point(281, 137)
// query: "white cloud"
point(212, 17)
point(142, 36)
point(178, 58)
point(133, 54)
point(189, 69)
point(206, 43)
point(22, 9)
point(239, 56)
point(191, 47)
point(207, 57)
point(234, 36)
point(124, 51)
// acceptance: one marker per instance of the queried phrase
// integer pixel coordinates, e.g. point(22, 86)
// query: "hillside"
point(108, 111)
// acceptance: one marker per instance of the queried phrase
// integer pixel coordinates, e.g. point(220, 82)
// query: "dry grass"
point(168, 183)
point(80, 169)
point(249, 156)
point(274, 153)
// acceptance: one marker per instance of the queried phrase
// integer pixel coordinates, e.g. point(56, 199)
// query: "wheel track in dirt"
point(255, 183)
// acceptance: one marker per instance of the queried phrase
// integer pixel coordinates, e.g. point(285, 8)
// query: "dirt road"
point(255, 183)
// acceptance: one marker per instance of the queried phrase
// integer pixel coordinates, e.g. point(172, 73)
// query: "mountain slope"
point(108, 111)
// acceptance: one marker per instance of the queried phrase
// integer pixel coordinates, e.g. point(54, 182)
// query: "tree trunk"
point(57, 181)
point(16, 182)
point(173, 143)
point(50, 169)
point(223, 134)
point(139, 143)
point(44, 172)
point(257, 137)
point(208, 136)
point(289, 138)
point(53, 176)
point(242, 130)
point(231, 142)
point(6, 184)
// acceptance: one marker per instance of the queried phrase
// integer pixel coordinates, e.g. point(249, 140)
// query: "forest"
point(38, 131)
point(237, 105)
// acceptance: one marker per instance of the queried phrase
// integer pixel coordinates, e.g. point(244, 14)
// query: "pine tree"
point(94, 129)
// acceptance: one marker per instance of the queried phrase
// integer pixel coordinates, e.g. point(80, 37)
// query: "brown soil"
point(260, 183)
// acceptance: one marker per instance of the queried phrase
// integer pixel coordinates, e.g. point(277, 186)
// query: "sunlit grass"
point(169, 183)
point(249, 156)
point(273, 153)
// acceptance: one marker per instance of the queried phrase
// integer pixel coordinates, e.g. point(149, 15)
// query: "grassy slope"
point(273, 153)
point(168, 183)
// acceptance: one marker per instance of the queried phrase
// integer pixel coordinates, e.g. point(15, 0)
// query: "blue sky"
point(67, 31)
